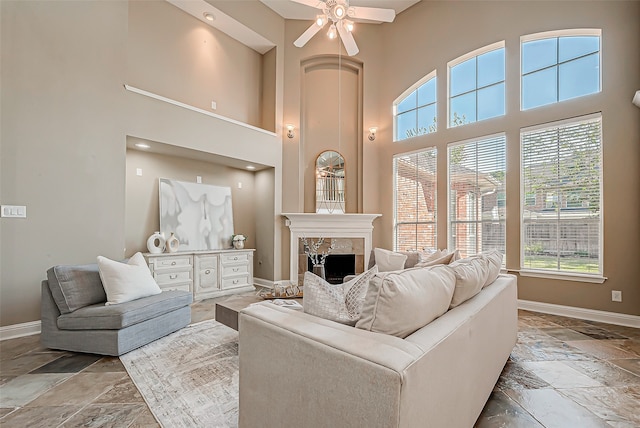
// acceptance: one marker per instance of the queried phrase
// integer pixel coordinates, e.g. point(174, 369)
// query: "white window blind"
point(561, 169)
point(415, 200)
point(477, 198)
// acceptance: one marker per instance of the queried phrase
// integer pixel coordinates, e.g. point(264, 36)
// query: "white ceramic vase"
point(155, 243)
point(238, 245)
point(172, 243)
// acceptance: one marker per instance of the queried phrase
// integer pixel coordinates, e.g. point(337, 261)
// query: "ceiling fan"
point(340, 14)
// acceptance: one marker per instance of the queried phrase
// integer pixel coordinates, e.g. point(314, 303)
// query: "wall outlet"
point(15, 211)
point(214, 105)
point(616, 296)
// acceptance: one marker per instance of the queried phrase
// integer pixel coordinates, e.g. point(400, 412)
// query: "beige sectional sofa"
point(298, 370)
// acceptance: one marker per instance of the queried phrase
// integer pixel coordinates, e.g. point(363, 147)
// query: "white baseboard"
point(581, 313)
point(19, 330)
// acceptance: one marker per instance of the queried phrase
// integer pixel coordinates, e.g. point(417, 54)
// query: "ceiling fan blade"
point(318, 4)
point(307, 35)
point(372, 13)
point(348, 40)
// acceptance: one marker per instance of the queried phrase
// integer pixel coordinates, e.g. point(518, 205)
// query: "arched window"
point(476, 85)
point(559, 65)
point(414, 111)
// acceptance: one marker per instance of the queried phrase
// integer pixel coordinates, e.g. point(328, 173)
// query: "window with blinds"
point(477, 198)
point(415, 200)
point(561, 167)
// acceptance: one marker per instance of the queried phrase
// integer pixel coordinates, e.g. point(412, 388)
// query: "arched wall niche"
point(331, 97)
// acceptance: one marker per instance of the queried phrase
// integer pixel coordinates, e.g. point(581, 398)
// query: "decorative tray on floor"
point(290, 292)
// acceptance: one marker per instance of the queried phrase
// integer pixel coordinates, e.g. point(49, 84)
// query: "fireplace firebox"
point(336, 267)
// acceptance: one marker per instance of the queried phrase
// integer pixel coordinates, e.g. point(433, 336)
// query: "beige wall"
point(192, 62)
point(65, 120)
point(66, 116)
point(430, 34)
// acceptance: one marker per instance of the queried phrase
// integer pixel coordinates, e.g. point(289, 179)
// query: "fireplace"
point(352, 233)
point(336, 267)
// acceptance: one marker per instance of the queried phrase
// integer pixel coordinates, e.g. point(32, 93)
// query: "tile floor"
point(562, 373)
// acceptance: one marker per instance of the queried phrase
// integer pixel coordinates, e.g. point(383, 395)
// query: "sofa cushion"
point(401, 302)
point(124, 282)
point(439, 257)
point(75, 286)
point(336, 302)
point(115, 317)
point(471, 274)
point(389, 260)
point(494, 261)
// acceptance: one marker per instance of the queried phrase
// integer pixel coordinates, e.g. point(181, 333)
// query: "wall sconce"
point(372, 133)
point(290, 131)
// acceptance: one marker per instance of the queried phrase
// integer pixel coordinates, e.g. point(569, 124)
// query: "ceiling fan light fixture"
point(321, 20)
point(332, 33)
point(348, 25)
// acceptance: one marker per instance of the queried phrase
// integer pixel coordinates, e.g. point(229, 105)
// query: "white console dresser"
point(205, 273)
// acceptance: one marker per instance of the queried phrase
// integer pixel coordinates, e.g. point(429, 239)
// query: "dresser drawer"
point(232, 258)
point(172, 277)
point(236, 281)
point(182, 287)
point(234, 270)
point(171, 262)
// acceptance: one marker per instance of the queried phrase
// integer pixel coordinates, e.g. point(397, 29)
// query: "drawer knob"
point(235, 281)
point(207, 272)
point(235, 258)
point(236, 269)
point(173, 263)
point(174, 276)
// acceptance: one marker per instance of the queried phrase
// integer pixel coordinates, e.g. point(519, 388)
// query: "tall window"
point(476, 86)
point(558, 66)
point(415, 200)
point(477, 197)
point(415, 110)
point(561, 169)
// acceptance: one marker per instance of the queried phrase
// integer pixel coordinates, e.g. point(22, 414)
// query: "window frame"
point(597, 278)
point(473, 54)
point(405, 94)
point(576, 32)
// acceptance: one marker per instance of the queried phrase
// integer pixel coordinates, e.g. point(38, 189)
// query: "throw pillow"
point(389, 260)
point(494, 261)
point(439, 257)
point(336, 302)
point(124, 282)
point(399, 303)
point(471, 275)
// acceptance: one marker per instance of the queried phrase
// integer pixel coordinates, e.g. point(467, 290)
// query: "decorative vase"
point(155, 243)
point(238, 245)
point(172, 243)
point(319, 271)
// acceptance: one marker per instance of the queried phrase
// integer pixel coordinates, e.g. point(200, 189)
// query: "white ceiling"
point(291, 10)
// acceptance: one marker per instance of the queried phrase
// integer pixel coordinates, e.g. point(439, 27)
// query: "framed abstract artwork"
point(200, 215)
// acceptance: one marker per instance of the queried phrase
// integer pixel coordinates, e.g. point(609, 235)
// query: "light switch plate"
point(13, 211)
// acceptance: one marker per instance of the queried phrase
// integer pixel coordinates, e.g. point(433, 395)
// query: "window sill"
point(594, 279)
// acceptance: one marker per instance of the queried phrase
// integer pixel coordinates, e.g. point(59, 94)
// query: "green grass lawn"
point(570, 264)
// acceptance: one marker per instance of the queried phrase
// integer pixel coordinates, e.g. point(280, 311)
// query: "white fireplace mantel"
point(328, 226)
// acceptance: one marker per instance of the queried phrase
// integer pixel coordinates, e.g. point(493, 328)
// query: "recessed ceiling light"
point(251, 167)
point(209, 16)
point(142, 146)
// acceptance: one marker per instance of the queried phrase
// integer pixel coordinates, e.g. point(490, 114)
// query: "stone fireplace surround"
point(353, 231)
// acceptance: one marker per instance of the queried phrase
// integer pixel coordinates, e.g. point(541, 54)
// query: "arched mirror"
point(330, 183)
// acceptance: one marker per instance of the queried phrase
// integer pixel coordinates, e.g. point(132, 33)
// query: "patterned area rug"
point(189, 378)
